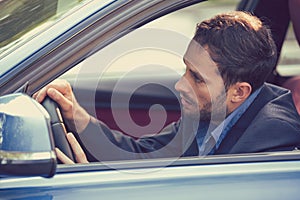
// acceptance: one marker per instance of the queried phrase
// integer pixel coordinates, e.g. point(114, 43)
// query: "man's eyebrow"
point(184, 60)
point(192, 69)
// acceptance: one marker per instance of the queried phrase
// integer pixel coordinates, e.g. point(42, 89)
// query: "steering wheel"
point(58, 127)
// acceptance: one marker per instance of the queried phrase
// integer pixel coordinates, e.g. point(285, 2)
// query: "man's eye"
point(197, 78)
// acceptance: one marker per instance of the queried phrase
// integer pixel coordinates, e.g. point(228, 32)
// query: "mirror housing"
point(26, 143)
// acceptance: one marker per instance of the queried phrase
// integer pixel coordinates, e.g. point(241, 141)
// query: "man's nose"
point(181, 84)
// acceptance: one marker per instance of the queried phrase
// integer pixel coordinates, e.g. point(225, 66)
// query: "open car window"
point(129, 85)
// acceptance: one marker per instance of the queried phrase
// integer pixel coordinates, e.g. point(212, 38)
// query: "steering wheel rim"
point(58, 128)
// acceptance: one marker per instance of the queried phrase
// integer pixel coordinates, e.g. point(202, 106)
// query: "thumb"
point(62, 157)
point(78, 151)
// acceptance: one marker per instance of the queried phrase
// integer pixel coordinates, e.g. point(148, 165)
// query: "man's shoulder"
point(270, 122)
point(273, 106)
point(278, 109)
point(278, 102)
point(274, 90)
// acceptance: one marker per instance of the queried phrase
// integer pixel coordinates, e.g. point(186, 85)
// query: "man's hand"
point(61, 92)
point(79, 153)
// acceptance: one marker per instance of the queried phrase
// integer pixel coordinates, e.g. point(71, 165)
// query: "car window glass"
point(22, 20)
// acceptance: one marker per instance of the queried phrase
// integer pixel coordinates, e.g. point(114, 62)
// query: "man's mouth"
point(185, 101)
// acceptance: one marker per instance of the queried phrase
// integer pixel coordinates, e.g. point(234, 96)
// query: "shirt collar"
point(233, 117)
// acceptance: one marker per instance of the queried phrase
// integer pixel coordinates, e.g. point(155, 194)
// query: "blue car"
point(104, 48)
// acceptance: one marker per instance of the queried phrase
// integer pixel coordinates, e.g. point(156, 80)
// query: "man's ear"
point(241, 91)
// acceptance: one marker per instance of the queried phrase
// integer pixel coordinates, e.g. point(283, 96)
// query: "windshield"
point(19, 17)
point(22, 20)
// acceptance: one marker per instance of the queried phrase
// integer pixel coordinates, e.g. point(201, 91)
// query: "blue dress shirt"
point(209, 142)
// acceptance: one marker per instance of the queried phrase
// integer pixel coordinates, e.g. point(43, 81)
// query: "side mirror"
point(26, 143)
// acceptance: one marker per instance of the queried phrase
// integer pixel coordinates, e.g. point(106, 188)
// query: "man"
point(226, 105)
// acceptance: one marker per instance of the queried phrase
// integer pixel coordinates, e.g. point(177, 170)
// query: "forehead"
point(199, 61)
point(198, 58)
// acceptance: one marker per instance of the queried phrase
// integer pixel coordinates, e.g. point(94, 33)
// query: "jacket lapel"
point(246, 119)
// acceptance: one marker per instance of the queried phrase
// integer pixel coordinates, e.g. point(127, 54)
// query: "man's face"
point(201, 88)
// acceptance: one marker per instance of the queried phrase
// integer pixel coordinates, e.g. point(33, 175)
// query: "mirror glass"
point(23, 124)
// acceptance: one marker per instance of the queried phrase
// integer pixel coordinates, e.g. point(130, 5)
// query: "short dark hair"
point(241, 45)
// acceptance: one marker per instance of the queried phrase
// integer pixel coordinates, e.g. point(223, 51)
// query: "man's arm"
point(105, 144)
point(101, 142)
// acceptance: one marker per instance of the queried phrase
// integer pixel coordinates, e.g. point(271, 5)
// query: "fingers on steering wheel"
point(59, 85)
point(78, 152)
point(40, 95)
point(65, 104)
point(62, 157)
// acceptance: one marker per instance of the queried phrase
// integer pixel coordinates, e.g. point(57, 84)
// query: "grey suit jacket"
point(271, 123)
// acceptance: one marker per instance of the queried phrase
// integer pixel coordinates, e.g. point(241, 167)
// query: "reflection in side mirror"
point(26, 144)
